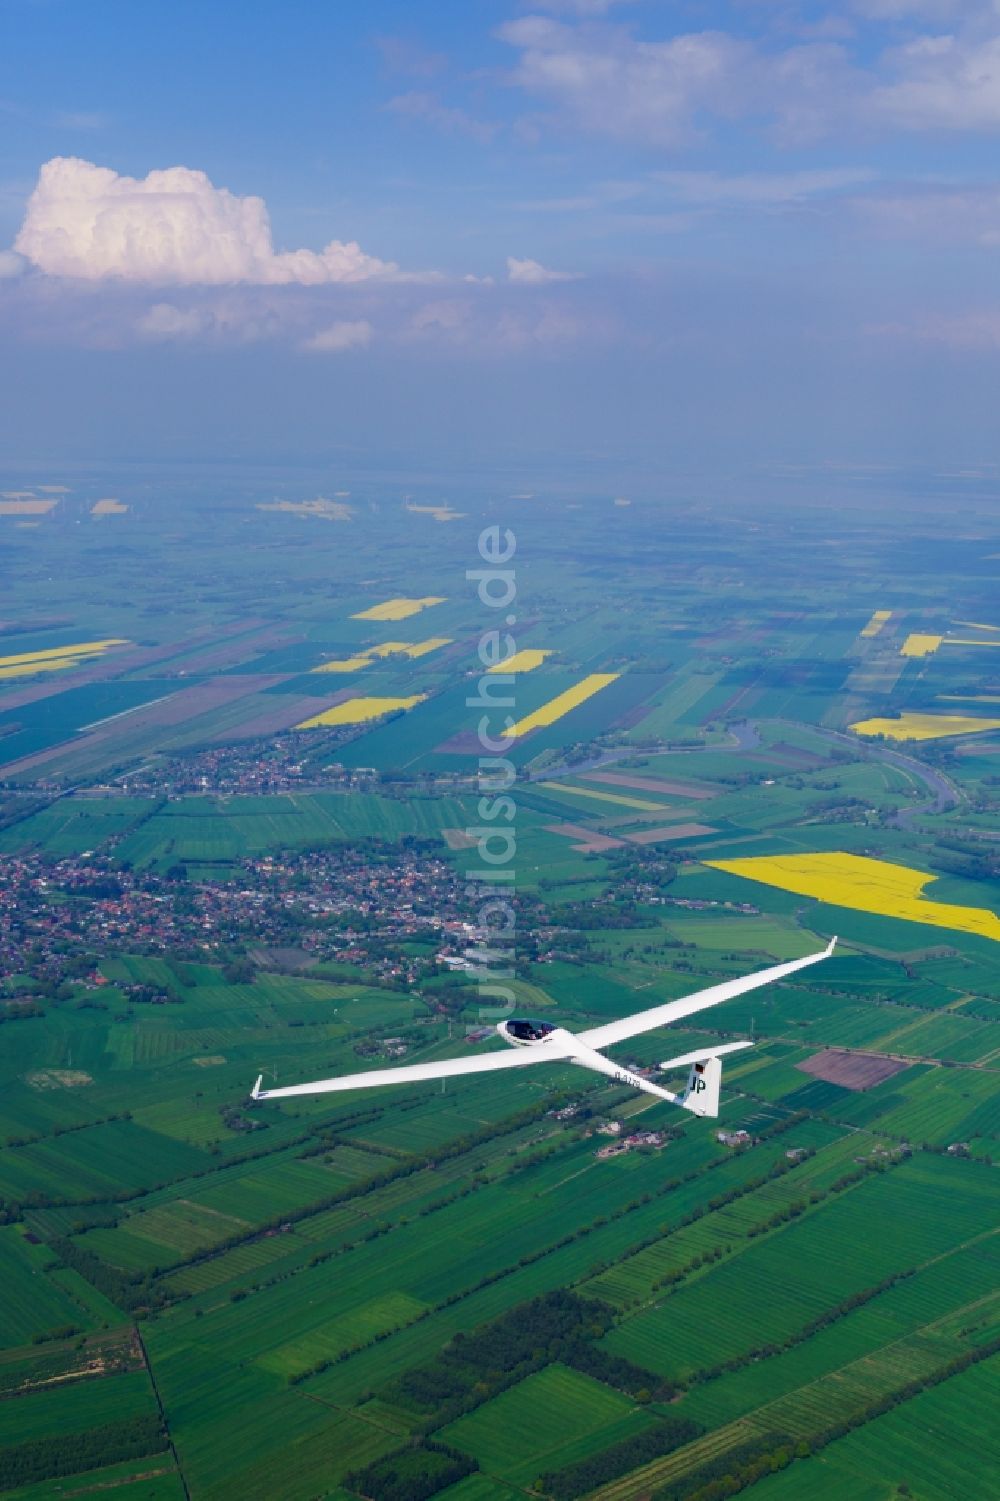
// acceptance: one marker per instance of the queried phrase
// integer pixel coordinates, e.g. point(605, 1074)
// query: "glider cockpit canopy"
point(524, 1029)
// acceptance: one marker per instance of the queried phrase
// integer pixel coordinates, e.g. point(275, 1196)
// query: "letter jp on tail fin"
point(701, 1096)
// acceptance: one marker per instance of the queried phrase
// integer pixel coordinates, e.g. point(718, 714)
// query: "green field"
point(559, 1415)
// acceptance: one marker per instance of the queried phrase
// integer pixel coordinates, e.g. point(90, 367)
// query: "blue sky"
point(657, 234)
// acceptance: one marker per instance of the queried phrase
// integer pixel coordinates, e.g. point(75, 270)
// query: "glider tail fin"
point(701, 1095)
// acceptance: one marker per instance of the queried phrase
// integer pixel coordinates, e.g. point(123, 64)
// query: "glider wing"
point(672, 1011)
point(413, 1073)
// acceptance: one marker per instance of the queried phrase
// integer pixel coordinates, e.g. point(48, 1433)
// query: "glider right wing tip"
point(830, 946)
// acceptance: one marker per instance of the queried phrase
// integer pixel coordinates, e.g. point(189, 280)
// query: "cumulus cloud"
point(449, 316)
point(531, 273)
point(347, 334)
point(173, 227)
point(164, 321)
point(241, 316)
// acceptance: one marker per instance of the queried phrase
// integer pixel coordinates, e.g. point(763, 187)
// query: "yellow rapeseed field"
point(343, 664)
point(27, 669)
point(865, 885)
point(24, 664)
point(398, 609)
point(608, 797)
point(321, 508)
point(917, 645)
point(360, 710)
point(522, 661)
point(925, 726)
point(108, 507)
point(876, 623)
point(409, 649)
point(26, 506)
point(563, 702)
point(440, 513)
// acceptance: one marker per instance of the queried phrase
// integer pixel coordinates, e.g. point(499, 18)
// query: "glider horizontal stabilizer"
point(700, 1055)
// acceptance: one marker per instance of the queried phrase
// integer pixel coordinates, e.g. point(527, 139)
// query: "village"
point(390, 914)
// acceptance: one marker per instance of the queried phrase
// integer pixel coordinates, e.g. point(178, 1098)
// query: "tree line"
point(69, 1453)
point(411, 1474)
point(472, 1368)
point(620, 1459)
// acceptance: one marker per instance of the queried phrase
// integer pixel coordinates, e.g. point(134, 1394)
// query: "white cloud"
point(171, 227)
point(604, 79)
point(164, 321)
point(347, 334)
point(448, 317)
point(236, 316)
point(531, 273)
point(944, 82)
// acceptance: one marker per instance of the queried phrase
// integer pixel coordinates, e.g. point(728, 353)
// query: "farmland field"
point(198, 888)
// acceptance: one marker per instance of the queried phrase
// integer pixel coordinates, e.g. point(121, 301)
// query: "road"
point(943, 793)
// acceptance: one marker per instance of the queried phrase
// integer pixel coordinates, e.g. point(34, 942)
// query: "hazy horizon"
point(699, 238)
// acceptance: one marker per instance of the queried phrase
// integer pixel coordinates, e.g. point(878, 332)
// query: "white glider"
point(541, 1042)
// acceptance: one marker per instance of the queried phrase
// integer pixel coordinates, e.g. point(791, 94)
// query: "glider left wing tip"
point(255, 1093)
